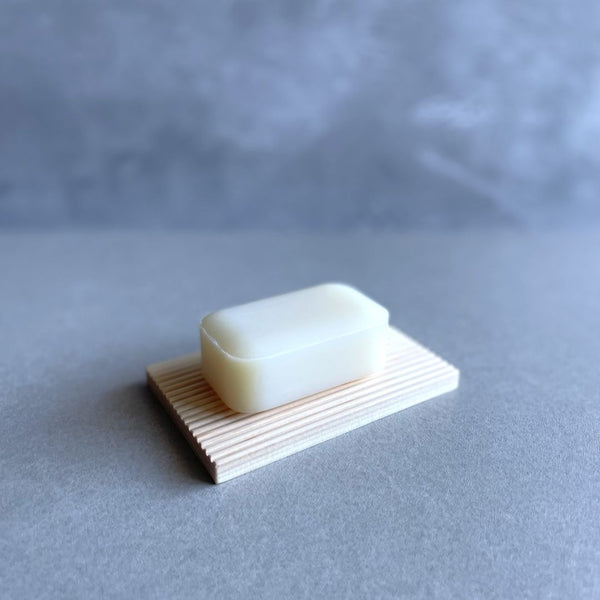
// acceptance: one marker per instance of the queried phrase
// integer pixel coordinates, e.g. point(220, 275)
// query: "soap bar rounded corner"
point(270, 352)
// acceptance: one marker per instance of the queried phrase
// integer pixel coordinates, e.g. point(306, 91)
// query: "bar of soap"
point(270, 352)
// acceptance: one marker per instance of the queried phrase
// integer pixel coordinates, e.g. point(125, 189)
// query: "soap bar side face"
point(293, 345)
point(235, 381)
point(253, 386)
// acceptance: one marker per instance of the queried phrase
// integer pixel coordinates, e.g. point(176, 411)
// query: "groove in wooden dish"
point(231, 444)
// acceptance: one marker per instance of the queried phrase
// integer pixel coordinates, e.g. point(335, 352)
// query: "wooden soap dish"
point(231, 444)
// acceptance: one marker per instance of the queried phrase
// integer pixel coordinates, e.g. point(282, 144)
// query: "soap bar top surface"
point(288, 322)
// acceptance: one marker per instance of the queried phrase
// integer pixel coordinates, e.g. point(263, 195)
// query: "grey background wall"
point(286, 114)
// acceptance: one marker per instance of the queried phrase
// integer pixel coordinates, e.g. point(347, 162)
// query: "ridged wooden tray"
point(231, 444)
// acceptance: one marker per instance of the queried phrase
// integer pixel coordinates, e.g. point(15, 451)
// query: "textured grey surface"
point(489, 492)
point(291, 114)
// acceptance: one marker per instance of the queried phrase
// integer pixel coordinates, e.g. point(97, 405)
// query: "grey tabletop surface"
point(492, 491)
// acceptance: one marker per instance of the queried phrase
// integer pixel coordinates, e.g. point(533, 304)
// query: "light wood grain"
point(231, 444)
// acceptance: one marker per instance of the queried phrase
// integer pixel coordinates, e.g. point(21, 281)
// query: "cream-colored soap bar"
point(267, 353)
